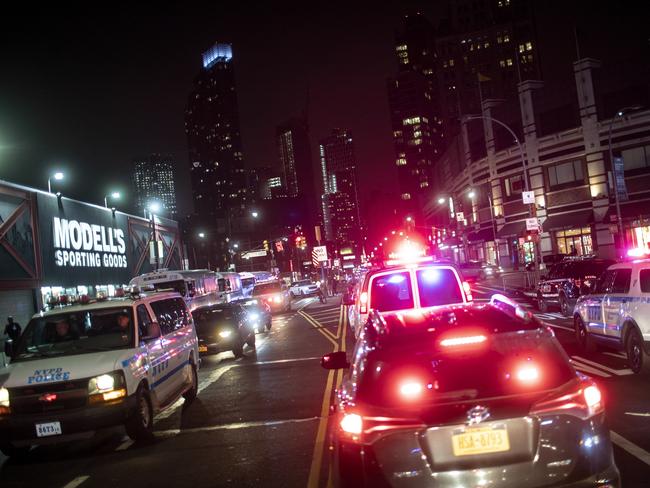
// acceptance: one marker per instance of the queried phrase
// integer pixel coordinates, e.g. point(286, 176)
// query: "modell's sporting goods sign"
point(82, 244)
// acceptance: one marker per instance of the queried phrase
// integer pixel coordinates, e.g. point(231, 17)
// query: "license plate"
point(203, 348)
point(51, 428)
point(480, 441)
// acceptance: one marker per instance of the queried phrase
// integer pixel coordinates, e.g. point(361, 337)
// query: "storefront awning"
point(483, 235)
point(581, 218)
point(629, 210)
point(512, 229)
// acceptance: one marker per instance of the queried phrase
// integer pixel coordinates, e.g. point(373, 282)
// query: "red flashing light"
point(468, 291)
point(363, 299)
point(48, 397)
point(528, 374)
point(411, 389)
point(463, 341)
point(352, 423)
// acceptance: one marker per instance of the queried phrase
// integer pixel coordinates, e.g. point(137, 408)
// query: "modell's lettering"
point(80, 244)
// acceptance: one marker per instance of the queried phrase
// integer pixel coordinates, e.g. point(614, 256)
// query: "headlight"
point(225, 333)
point(254, 316)
point(277, 299)
point(106, 388)
point(4, 397)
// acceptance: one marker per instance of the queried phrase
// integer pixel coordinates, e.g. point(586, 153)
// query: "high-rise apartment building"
point(340, 187)
point(294, 151)
point(153, 178)
point(214, 139)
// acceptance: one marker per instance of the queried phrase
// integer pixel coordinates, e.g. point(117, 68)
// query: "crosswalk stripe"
point(618, 372)
point(588, 369)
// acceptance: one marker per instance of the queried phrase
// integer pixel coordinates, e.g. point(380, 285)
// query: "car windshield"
point(76, 333)
point(505, 364)
point(246, 282)
point(265, 288)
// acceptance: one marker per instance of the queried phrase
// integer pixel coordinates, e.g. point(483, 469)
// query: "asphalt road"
point(261, 420)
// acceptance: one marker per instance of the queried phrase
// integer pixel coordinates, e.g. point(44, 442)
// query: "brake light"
point(411, 389)
point(468, 291)
point(277, 299)
point(463, 341)
point(528, 374)
point(352, 423)
point(363, 299)
point(584, 401)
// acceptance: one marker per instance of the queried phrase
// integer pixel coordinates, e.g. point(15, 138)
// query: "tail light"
point(277, 299)
point(468, 291)
point(463, 340)
point(364, 429)
point(363, 300)
point(352, 423)
point(583, 400)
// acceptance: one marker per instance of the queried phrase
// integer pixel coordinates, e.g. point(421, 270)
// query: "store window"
point(574, 241)
point(636, 158)
point(513, 186)
point(565, 174)
point(641, 238)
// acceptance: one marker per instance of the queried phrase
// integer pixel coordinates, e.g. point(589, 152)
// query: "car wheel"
point(238, 348)
point(288, 309)
point(139, 426)
point(293, 296)
point(14, 452)
point(269, 324)
point(637, 359)
point(564, 306)
point(251, 341)
point(542, 306)
point(190, 394)
point(585, 342)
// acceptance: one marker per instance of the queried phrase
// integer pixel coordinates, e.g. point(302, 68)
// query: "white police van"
point(83, 367)
point(617, 313)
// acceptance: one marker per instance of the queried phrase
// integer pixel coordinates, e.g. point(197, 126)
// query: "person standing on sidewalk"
point(12, 329)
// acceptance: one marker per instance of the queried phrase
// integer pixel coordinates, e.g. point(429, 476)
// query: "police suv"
point(617, 313)
point(97, 364)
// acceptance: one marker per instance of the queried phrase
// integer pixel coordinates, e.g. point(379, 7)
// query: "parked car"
point(222, 328)
point(616, 313)
point(567, 280)
point(303, 288)
point(466, 395)
point(258, 314)
point(479, 270)
point(80, 368)
point(275, 294)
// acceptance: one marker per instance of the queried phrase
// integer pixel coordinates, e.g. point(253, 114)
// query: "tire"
point(190, 394)
point(637, 359)
point(15, 452)
point(288, 309)
point(564, 307)
point(293, 296)
point(269, 324)
point(542, 306)
point(238, 349)
point(139, 426)
point(585, 342)
point(251, 341)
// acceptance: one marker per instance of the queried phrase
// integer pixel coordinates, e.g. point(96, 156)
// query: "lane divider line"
point(630, 447)
point(235, 426)
point(320, 328)
point(589, 369)
point(76, 482)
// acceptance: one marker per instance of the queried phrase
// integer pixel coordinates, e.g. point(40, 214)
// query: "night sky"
point(86, 92)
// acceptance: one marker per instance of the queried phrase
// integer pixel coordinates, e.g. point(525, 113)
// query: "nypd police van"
point(83, 367)
point(617, 313)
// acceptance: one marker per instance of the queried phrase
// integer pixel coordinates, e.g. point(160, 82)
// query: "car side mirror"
point(153, 332)
point(335, 360)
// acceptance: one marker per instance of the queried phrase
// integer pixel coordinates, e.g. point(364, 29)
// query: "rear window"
point(266, 288)
point(391, 292)
point(644, 278)
point(212, 315)
point(438, 287)
point(506, 364)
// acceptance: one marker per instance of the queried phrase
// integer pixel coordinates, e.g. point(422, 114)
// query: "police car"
point(405, 283)
point(617, 313)
point(97, 364)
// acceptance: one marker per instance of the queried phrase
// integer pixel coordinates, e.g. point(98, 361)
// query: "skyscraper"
point(153, 178)
point(340, 187)
point(295, 157)
point(214, 140)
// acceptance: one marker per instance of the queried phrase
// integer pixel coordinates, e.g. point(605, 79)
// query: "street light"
point(255, 214)
point(114, 195)
point(58, 176)
point(441, 201)
point(409, 219)
point(619, 222)
point(201, 235)
point(471, 194)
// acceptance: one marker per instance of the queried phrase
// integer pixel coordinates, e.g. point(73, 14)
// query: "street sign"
point(619, 179)
point(528, 197)
point(532, 224)
point(254, 254)
point(318, 255)
point(337, 263)
point(317, 233)
point(460, 216)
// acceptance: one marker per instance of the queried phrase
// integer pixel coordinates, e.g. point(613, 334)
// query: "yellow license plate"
point(480, 441)
point(203, 348)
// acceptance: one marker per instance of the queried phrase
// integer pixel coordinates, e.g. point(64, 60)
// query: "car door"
point(154, 347)
point(178, 344)
point(642, 313)
point(617, 302)
point(594, 302)
point(163, 384)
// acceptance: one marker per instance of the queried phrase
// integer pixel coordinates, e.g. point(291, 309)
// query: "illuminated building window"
point(411, 121)
point(502, 63)
point(401, 162)
point(397, 133)
point(402, 155)
point(444, 64)
point(406, 196)
point(417, 133)
point(506, 38)
point(401, 47)
point(499, 39)
point(521, 48)
point(509, 61)
point(424, 184)
point(529, 46)
point(451, 62)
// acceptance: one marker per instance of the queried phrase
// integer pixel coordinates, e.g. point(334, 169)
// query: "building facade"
point(153, 178)
point(341, 213)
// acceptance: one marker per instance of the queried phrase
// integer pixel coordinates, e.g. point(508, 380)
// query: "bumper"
point(212, 346)
point(19, 430)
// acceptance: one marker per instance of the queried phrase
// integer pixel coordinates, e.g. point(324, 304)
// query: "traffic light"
point(266, 245)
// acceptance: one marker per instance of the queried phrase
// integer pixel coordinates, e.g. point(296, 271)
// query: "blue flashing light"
point(396, 278)
point(431, 275)
point(218, 52)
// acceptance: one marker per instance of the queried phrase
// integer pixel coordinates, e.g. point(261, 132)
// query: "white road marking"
point(564, 327)
point(76, 482)
point(125, 445)
point(588, 369)
point(618, 372)
point(240, 425)
point(638, 414)
point(280, 361)
point(630, 447)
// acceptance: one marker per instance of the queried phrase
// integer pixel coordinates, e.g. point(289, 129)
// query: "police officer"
point(12, 329)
